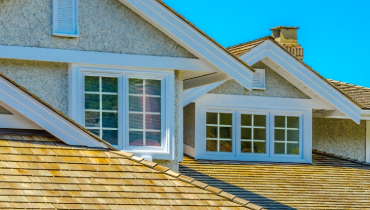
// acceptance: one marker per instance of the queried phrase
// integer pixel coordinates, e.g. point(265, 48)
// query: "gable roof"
point(358, 93)
point(330, 182)
point(43, 172)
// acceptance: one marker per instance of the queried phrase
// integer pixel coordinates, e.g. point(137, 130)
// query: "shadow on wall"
point(266, 203)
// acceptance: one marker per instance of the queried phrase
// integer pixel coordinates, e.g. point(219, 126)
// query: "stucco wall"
point(340, 136)
point(105, 26)
point(189, 124)
point(4, 111)
point(276, 86)
point(47, 80)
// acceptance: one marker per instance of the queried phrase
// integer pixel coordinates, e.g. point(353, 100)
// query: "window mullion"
point(218, 132)
point(252, 133)
point(144, 115)
point(101, 107)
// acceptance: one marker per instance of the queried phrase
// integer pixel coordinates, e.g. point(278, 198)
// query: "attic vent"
point(259, 79)
point(65, 18)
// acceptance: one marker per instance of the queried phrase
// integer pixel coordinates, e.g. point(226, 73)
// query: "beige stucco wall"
point(189, 124)
point(276, 86)
point(105, 26)
point(340, 136)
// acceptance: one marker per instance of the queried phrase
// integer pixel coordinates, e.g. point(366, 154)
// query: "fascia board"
point(44, 117)
point(191, 39)
point(191, 95)
point(256, 54)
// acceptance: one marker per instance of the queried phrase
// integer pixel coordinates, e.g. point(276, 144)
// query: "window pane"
point(136, 103)
point(136, 138)
point(152, 104)
point(153, 122)
point(225, 132)
point(279, 148)
point(293, 122)
point(226, 146)
point(280, 121)
point(110, 120)
point(259, 147)
point(246, 119)
point(246, 133)
point(153, 87)
point(136, 121)
point(211, 146)
point(92, 84)
point(260, 120)
point(95, 131)
point(110, 102)
point(259, 134)
point(246, 146)
point(92, 101)
point(292, 135)
point(212, 132)
point(110, 84)
point(136, 86)
point(212, 118)
point(111, 136)
point(293, 149)
point(280, 134)
point(153, 139)
point(226, 119)
point(92, 119)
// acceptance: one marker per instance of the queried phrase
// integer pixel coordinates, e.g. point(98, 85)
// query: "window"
point(65, 18)
point(219, 132)
point(259, 79)
point(286, 135)
point(253, 133)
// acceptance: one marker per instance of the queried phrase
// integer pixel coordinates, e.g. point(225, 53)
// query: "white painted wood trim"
point(368, 141)
point(189, 150)
point(190, 39)
point(109, 59)
point(201, 81)
point(16, 120)
point(192, 94)
point(180, 130)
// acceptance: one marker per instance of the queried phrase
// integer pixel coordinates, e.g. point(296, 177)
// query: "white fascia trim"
point(190, 39)
point(44, 117)
point(368, 141)
point(192, 94)
point(110, 59)
point(201, 81)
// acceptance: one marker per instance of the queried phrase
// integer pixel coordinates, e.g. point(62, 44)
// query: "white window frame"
point(262, 82)
point(77, 74)
point(56, 31)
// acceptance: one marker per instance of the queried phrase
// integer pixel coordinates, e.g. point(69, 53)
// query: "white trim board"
point(16, 120)
point(192, 94)
point(44, 117)
point(368, 141)
point(191, 39)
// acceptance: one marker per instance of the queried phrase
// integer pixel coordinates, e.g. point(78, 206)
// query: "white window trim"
point(76, 107)
point(75, 32)
point(262, 82)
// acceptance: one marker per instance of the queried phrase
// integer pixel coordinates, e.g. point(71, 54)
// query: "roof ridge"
point(180, 176)
point(340, 157)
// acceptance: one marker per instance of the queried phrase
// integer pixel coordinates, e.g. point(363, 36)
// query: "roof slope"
point(359, 93)
point(329, 183)
point(42, 172)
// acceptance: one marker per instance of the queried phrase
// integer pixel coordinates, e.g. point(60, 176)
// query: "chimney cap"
point(281, 27)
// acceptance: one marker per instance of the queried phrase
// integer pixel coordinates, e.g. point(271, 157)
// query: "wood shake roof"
point(359, 93)
point(39, 172)
point(330, 182)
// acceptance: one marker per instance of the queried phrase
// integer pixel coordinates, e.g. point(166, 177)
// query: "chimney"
point(287, 37)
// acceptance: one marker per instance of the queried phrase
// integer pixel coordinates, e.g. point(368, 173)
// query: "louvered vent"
point(259, 79)
point(65, 18)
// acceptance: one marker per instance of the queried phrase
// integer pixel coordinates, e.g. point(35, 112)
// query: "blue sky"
point(334, 34)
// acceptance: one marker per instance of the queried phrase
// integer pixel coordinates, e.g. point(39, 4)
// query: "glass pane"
point(211, 146)
point(246, 146)
point(293, 149)
point(136, 103)
point(153, 87)
point(152, 104)
point(92, 119)
point(293, 122)
point(225, 132)
point(136, 86)
point(92, 101)
point(212, 118)
point(136, 121)
point(110, 102)
point(153, 139)
point(92, 84)
point(226, 146)
point(110, 136)
point(259, 147)
point(153, 122)
point(259, 134)
point(246, 119)
point(280, 121)
point(110, 84)
point(246, 133)
point(110, 120)
point(136, 138)
point(226, 119)
point(95, 131)
point(279, 148)
point(211, 132)
point(280, 134)
point(292, 135)
point(259, 120)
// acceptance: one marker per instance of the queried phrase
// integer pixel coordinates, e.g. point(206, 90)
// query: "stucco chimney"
point(287, 37)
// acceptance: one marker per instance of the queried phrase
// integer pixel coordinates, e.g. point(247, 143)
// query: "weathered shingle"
point(359, 93)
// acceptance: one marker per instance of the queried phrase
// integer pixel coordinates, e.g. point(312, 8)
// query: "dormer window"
point(259, 79)
point(65, 18)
